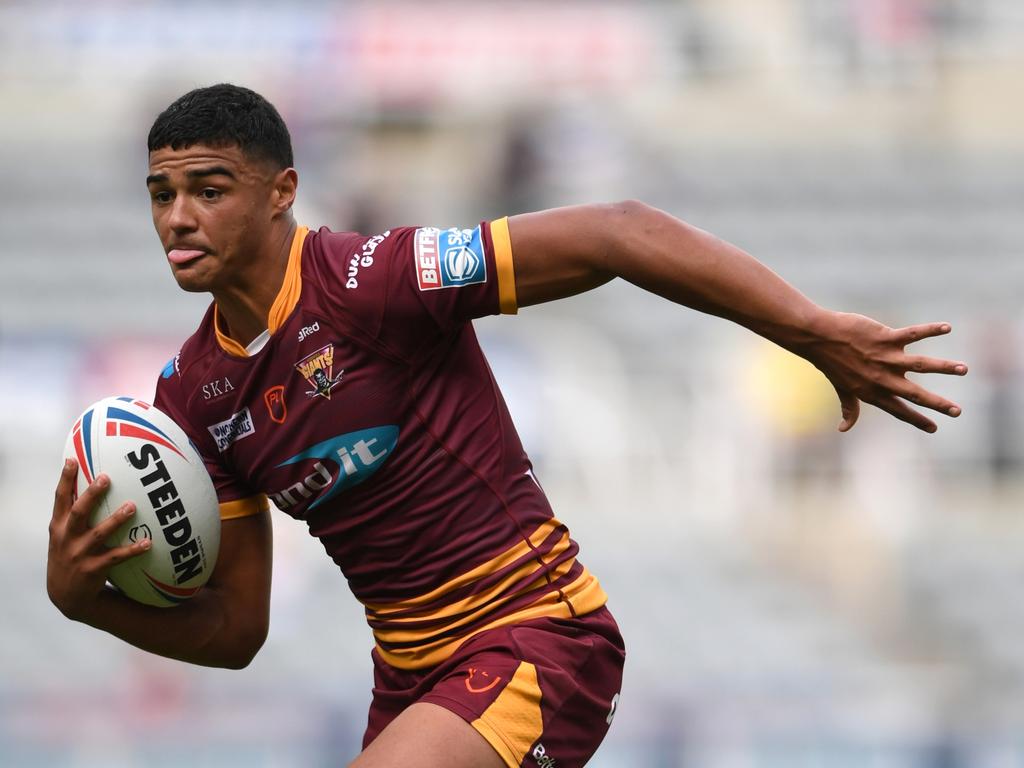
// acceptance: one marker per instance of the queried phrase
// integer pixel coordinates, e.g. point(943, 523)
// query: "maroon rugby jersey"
point(371, 414)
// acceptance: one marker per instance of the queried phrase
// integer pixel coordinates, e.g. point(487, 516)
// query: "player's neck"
point(244, 306)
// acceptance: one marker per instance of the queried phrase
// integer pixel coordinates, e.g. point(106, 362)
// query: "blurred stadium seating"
point(789, 596)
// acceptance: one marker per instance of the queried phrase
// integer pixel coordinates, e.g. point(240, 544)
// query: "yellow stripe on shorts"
point(512, 723)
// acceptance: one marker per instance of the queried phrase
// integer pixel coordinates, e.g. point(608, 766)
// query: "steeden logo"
point(140, 532)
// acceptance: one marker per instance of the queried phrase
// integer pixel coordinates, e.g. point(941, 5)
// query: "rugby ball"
point(151, 462)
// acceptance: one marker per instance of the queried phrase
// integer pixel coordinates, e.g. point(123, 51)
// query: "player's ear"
point(285, 185)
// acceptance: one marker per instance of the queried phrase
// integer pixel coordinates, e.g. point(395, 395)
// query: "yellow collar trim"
point(283, 304)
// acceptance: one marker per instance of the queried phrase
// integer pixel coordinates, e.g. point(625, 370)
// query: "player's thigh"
point(428, 736)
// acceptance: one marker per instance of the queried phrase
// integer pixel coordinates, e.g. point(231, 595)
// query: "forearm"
point(205, 630)
point(651, 249)
point(223, 625)
point(692, 267)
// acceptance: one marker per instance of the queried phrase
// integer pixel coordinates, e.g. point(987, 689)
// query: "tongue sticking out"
point(178, 256)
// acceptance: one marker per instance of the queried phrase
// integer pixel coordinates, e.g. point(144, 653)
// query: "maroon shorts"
point(542, 692)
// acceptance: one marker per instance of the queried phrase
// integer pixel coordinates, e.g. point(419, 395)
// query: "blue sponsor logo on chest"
point(340, 462)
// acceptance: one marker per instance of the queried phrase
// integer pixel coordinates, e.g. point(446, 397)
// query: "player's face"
point(213, 208)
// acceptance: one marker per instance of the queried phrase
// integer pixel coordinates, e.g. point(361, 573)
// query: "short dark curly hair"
point(225, 115)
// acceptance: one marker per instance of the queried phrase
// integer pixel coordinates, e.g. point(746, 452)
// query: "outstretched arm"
point(224, 625)
point(565, 251)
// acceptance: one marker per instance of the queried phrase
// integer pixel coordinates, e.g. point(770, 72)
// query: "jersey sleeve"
point(234, 498)
point(407, 284)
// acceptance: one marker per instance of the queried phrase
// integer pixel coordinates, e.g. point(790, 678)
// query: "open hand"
point(865, 361)
point(79, 558)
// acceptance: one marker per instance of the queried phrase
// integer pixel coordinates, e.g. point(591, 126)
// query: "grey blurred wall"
point(789, 596)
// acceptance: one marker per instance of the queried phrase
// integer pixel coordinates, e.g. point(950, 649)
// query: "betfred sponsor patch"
point(449, 258)
point(229, 431)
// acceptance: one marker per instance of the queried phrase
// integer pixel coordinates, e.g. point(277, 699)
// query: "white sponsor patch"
point(544, 760)
point(363, 259)
point(226, 432)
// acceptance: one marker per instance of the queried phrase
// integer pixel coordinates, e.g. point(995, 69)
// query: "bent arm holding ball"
point(224, 625)
point(565, 251)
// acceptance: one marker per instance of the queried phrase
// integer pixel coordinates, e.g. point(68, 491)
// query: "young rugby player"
point(339, 375)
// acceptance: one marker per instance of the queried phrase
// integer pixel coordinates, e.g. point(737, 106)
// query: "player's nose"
point(181, 217)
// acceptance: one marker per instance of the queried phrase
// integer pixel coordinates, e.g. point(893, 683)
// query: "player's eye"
point(210, 193)
point(162, 197)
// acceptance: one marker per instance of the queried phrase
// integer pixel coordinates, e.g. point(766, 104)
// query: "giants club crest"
point(318, 370)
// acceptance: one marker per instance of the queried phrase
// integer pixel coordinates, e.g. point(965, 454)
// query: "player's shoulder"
point(189, 366)
point(354, 277)
point(348, 259)
point(431, 257)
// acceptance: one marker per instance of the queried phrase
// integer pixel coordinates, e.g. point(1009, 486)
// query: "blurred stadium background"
point(789, 596)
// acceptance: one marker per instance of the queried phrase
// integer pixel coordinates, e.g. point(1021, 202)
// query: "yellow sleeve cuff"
point(253, 505)
point(506, 272)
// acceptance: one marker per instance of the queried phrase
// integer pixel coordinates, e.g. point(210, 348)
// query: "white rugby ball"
point(151, 462)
